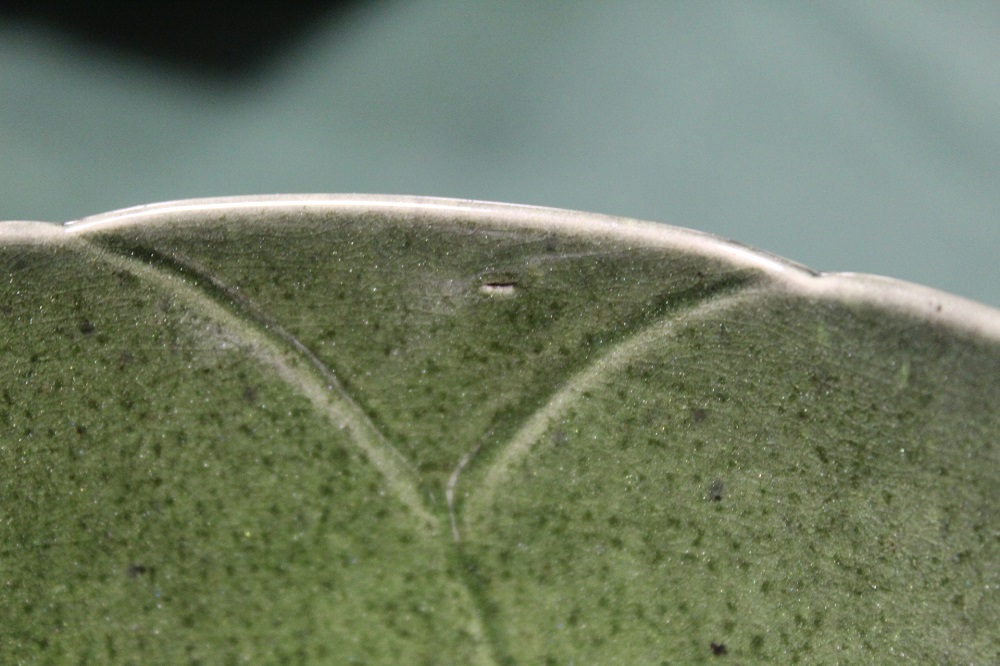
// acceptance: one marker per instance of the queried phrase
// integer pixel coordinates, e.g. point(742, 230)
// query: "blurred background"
point(847, 136)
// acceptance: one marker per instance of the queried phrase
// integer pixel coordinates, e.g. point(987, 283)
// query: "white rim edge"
point(25, 231)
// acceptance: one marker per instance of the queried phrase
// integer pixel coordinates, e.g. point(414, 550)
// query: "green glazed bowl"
point(382, 430)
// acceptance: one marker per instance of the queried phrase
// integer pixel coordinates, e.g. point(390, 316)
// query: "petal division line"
point(315, 381)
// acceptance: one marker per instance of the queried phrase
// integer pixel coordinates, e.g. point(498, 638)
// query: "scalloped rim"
point(934, 306)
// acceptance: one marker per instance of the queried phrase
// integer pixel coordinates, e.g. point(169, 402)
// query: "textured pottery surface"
point(380, 430)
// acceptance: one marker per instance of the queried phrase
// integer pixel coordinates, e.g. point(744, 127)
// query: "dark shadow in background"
point(224, 39)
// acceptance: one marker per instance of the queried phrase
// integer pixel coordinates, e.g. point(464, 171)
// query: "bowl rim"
point(934, 306)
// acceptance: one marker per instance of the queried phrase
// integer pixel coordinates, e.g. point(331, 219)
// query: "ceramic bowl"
point(386, 430)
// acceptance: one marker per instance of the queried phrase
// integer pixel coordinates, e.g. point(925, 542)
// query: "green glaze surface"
point(443, 433)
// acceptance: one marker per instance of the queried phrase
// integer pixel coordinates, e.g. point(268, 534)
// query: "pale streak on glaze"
point(327, 398)
point(590, 378)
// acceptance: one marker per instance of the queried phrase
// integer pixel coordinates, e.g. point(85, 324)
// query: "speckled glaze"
point(365, 429)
